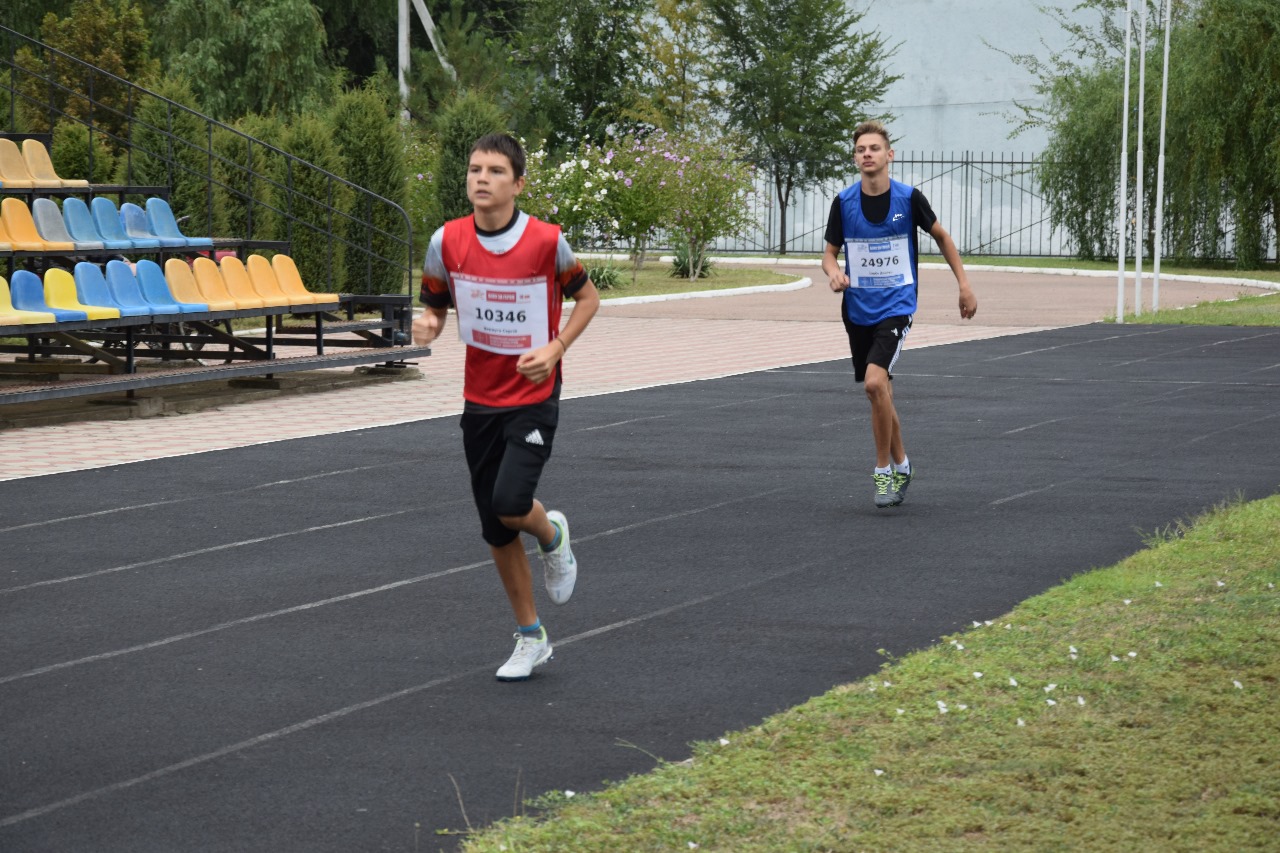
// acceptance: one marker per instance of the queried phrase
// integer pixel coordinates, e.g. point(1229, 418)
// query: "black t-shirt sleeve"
point(835, 225)
point(921, 213)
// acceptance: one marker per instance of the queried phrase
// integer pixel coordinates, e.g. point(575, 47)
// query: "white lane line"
point(205, 496)
point(351, 596)
point(1160, 355)
point(1072, 344)
point(243, 745)
point(1036, 426)
point(621, 423)
point(213, 549)
point(1025, 494)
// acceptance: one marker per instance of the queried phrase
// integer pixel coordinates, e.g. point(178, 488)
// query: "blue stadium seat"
point(27, 292)
point(156, 289)
point(91, 288)
point(107, 218)
point(164, 224)
point(137, 227)
point(127, 290)
point(49, 223)
point(80, 225)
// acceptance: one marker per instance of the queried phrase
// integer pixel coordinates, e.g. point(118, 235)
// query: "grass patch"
point(1261, 310)
point(655, 279)
point(1131, 708)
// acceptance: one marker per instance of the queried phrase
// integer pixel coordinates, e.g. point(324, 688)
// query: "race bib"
point(879, 263)
point(504, 316)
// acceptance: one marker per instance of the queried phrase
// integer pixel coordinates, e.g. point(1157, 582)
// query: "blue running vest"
point(868, 302)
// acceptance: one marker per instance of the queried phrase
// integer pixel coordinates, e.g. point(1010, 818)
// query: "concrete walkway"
point(627, 347)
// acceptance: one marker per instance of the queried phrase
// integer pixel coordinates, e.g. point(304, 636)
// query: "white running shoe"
point(559, 565)
point(530, 651)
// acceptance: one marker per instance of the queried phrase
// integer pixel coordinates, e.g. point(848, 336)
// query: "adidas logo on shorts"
point(534, 437)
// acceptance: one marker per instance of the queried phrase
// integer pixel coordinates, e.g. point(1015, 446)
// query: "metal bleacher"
point(105, 290)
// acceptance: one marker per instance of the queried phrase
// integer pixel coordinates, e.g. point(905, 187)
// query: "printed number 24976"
point(880, 262)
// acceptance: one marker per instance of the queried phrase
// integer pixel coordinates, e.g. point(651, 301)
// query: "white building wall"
point(957, 94)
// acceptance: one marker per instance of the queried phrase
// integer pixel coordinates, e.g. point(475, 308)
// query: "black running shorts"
point(506, 452)
point(880, 344)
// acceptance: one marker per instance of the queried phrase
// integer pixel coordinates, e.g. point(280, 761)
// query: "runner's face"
point(872, 153)
point(491, 184)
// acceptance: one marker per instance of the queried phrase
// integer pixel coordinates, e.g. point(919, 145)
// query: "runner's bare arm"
point(968, 302)
point(428, 325)
point(834, 269)
point(536, 365)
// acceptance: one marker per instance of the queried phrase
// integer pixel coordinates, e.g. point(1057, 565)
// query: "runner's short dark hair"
point(505, 144)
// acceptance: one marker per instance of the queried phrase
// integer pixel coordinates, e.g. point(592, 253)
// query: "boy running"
point(875, 222)
point(507, 274)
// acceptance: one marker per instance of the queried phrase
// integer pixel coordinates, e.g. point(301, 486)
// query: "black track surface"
point(291, 646)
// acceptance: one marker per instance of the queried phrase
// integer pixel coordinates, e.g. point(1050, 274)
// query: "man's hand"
point(536, 365)
point(968, 302)
point(838, 281)
point(427, 327)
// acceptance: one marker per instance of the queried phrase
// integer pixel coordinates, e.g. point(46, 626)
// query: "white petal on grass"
point(977, 675)
point(570, 794)
point(1013, 682)
point(1159, 584)
point(879, 772)
point(986, 622)
point(1220, 583)
point(960, 646)
point(1075, 657)
point(1048, 688)
point(1128, 601)
point(1051, 702)
point(1114, 658)
point(888, 684)
point(1133, 654)
point(1021, 722)
point(900, 711)
point(1079, 700)
point(1238, 685)
point(693, 845)
point(977, 624)
point(963, 707)
point(1072, 649)
point(724, 742)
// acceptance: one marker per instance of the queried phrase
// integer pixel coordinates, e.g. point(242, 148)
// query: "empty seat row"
point(144, 291)
point(96, 226)
point(31, 167)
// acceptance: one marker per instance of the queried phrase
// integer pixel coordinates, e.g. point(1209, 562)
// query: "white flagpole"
point(1122, 221)
point(1164, 104)
point(1139, 177)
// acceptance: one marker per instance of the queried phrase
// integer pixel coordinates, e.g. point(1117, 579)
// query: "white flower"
point(1114, 658)
point(1159, 584)
point(1021, 722)
point(1128, 601)
point(587, 184)
point(1072, 649)
point(1013, 682)
point(941, 704)
point(888, 684)
point(1049, 688)
point(1238, 685)
point(879, 772)
point(724, 742)
point(1133, 654)
point(901, 712)
point(1220, 583)
point(977, 675)
point(960, 646)
point(1079, 700)
point(1051, 702)
point(586, 164)
point(570, 794)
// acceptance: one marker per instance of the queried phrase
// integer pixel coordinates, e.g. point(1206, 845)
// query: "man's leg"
point(885, 427)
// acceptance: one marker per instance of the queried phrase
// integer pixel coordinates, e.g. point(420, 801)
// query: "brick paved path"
point(627, 347)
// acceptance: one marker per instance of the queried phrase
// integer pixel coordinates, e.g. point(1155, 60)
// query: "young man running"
point(507, 274)
point(875, 222)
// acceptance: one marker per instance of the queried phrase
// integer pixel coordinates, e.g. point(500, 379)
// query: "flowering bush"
point(422, 202)
point(639, 186)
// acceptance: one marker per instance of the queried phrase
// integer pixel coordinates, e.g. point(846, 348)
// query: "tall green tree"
point(796, 77)
point(317, 204)
point(586, 53)
point(366, 132)
point(109, 34)
point(675, 94)
point(245, 56)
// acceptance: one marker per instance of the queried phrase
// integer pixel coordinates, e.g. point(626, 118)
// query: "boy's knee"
point(876, 387)
point(512, 512)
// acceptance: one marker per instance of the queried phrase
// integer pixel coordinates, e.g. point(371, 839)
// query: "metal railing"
point(329, 222)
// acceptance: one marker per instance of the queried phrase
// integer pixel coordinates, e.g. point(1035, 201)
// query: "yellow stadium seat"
point(213, 287)
point(60, 292)
point(265, 282)
point(10, 316)
point(291, 283)
point(12, 244)
point(22, 228)
point(183, 286)
point(41, 168)
point(13, 169)
point(240, 287)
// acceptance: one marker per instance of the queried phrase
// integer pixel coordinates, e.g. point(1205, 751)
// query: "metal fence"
point(989, 202)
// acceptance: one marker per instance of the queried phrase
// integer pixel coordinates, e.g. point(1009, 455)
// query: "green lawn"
point(1131, 708)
